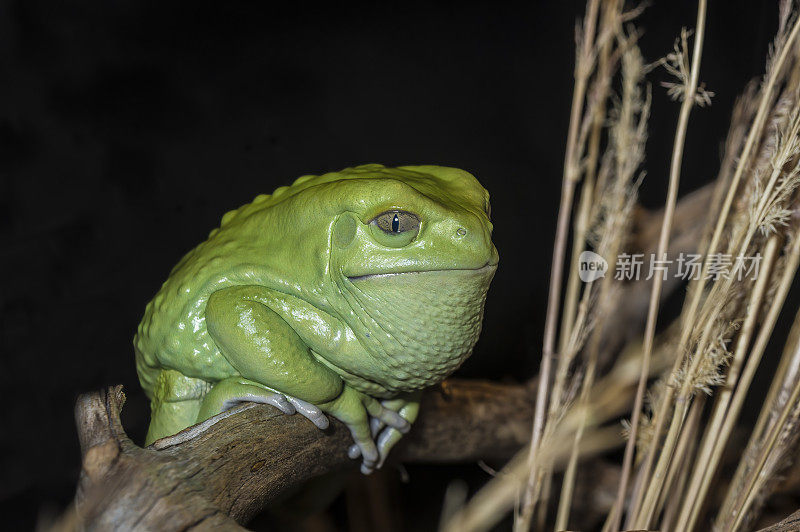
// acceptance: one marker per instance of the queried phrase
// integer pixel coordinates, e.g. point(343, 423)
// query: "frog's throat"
point(418, 326)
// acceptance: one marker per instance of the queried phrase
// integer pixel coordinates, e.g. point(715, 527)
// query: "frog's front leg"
point(356, 409)
point(263, 348)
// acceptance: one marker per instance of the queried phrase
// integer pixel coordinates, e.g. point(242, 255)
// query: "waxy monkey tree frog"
point(344, 294)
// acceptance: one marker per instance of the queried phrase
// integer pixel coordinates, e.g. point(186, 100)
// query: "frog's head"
point(409, 220)
point(411, 258)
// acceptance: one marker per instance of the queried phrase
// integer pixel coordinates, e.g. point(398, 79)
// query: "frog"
point(344, 294)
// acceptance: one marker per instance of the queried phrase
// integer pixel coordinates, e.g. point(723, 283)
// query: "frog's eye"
point(394, 228)
point(396, 222)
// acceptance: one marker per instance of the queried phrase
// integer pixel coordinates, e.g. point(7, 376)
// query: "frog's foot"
point(309, 411)
point(235, 391)
point(355, 409)
point(387, 435)
point(277, 400)
point(285, 403)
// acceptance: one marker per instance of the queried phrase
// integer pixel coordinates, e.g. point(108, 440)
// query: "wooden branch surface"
point(790, 524)
point(226, 470)
point(240, 461)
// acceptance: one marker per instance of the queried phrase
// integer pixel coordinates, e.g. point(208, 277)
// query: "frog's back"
point(172, 334)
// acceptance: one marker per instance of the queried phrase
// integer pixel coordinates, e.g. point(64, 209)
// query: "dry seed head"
point(677, 64)
point(767, 150)
point(709, 369)
point(769, 205)
point(786, 18)
point(618, 181)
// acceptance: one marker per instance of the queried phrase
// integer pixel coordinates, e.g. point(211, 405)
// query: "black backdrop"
point(128, 128)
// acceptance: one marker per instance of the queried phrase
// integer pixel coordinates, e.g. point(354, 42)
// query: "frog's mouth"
point(486, 268)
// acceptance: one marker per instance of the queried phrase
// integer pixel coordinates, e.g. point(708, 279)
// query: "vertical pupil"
point(396, 224)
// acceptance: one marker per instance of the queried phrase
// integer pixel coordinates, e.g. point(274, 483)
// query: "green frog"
point(344, 295)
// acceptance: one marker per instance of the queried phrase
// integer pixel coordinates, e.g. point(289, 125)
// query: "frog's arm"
point(264, 349)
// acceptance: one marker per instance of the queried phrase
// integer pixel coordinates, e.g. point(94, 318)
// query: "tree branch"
point(229, 468)
point(790, 524)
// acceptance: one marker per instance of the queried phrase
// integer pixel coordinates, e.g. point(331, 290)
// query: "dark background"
point(128, 128)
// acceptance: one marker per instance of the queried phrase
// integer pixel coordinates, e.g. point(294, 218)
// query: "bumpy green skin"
point(299, 294)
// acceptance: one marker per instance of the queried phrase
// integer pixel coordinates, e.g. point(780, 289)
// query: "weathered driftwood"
point(790, 524)
point(231, 467)
point(226, 470)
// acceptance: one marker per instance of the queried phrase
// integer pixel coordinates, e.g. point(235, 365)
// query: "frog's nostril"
point(461, 231)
